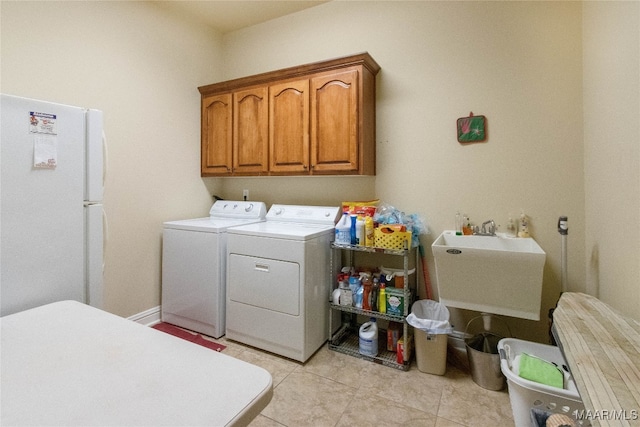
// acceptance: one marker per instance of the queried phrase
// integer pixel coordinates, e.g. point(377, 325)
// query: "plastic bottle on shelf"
point(382, 299)
point(346, 296)
point(343, 230)
point(374, 294)
point(360, 236)
point(368, 232)
point(352, 230)
point(369, 338)
point(358, 296)
point(366, 284)
point(335, 296)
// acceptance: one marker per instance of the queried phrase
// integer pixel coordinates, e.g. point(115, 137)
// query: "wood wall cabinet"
point(250, 136)
point(289, 127)
point(217, 142)
point(334, 119)
point(314, 119)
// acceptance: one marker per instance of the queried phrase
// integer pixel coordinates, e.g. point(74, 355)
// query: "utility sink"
point(492, 274)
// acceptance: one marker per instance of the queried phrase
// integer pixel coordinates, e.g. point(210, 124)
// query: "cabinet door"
point(216, 154)
point(289, 127)
point(334, 122)
point(250, 131)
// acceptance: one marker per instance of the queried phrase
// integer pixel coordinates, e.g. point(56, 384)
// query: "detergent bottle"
point(369, 338)
point(343, 230)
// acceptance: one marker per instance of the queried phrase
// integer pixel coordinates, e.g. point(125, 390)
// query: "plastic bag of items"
point(387, 214)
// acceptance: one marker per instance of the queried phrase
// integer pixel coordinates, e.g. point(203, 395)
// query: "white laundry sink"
point(492, 274)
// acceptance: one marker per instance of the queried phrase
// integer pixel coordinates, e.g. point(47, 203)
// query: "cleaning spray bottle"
point(374, 294)
point(365, 278)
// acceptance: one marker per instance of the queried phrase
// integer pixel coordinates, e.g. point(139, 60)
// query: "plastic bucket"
point(484, 359)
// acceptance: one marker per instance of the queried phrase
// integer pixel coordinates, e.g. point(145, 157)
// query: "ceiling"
point(231, 15)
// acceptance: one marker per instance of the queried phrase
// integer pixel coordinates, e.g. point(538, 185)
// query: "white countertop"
point(70, 364)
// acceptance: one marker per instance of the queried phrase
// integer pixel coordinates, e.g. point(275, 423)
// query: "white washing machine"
point(194, 261)
point(279, 280)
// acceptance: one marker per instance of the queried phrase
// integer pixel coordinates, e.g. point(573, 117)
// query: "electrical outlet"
point(245, 194)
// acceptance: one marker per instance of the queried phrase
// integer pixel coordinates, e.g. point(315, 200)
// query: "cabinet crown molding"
point(363, 59)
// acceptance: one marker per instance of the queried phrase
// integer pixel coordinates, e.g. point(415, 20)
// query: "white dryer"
point(279, 280)
point(194, 261)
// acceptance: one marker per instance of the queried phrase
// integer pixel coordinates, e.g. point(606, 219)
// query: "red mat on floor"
point(189, 336)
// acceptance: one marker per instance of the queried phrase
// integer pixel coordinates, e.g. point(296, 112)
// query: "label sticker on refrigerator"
point(45, 151)
point(42, 123)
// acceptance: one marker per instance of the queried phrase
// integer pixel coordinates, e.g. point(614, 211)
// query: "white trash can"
point(431, 322)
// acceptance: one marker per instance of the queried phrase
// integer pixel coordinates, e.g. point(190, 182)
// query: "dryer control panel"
point(327, 215)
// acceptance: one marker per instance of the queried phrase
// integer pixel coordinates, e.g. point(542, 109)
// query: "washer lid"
point(208, 225)
point(222, 215)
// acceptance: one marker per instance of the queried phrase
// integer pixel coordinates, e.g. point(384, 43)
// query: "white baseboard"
point(148, 318)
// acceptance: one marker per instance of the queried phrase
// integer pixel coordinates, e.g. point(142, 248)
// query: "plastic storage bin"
point(388, 238)
point(431, 322)
point(526, 395)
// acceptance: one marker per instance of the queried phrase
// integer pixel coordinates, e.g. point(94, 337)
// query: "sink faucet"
point(484, 231)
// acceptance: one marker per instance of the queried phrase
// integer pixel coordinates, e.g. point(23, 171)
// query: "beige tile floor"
point(335, 389)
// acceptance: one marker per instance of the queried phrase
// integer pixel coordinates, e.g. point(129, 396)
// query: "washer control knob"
point(249, 207)
point(279, 211)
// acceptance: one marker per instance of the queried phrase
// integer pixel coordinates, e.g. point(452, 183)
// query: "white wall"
point(612, 152)
point(517, 63)
point(141, 67)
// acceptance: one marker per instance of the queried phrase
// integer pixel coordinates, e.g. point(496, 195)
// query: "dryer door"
point(266, 283)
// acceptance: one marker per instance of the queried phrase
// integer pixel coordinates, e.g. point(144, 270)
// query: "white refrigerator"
point(51, 213)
